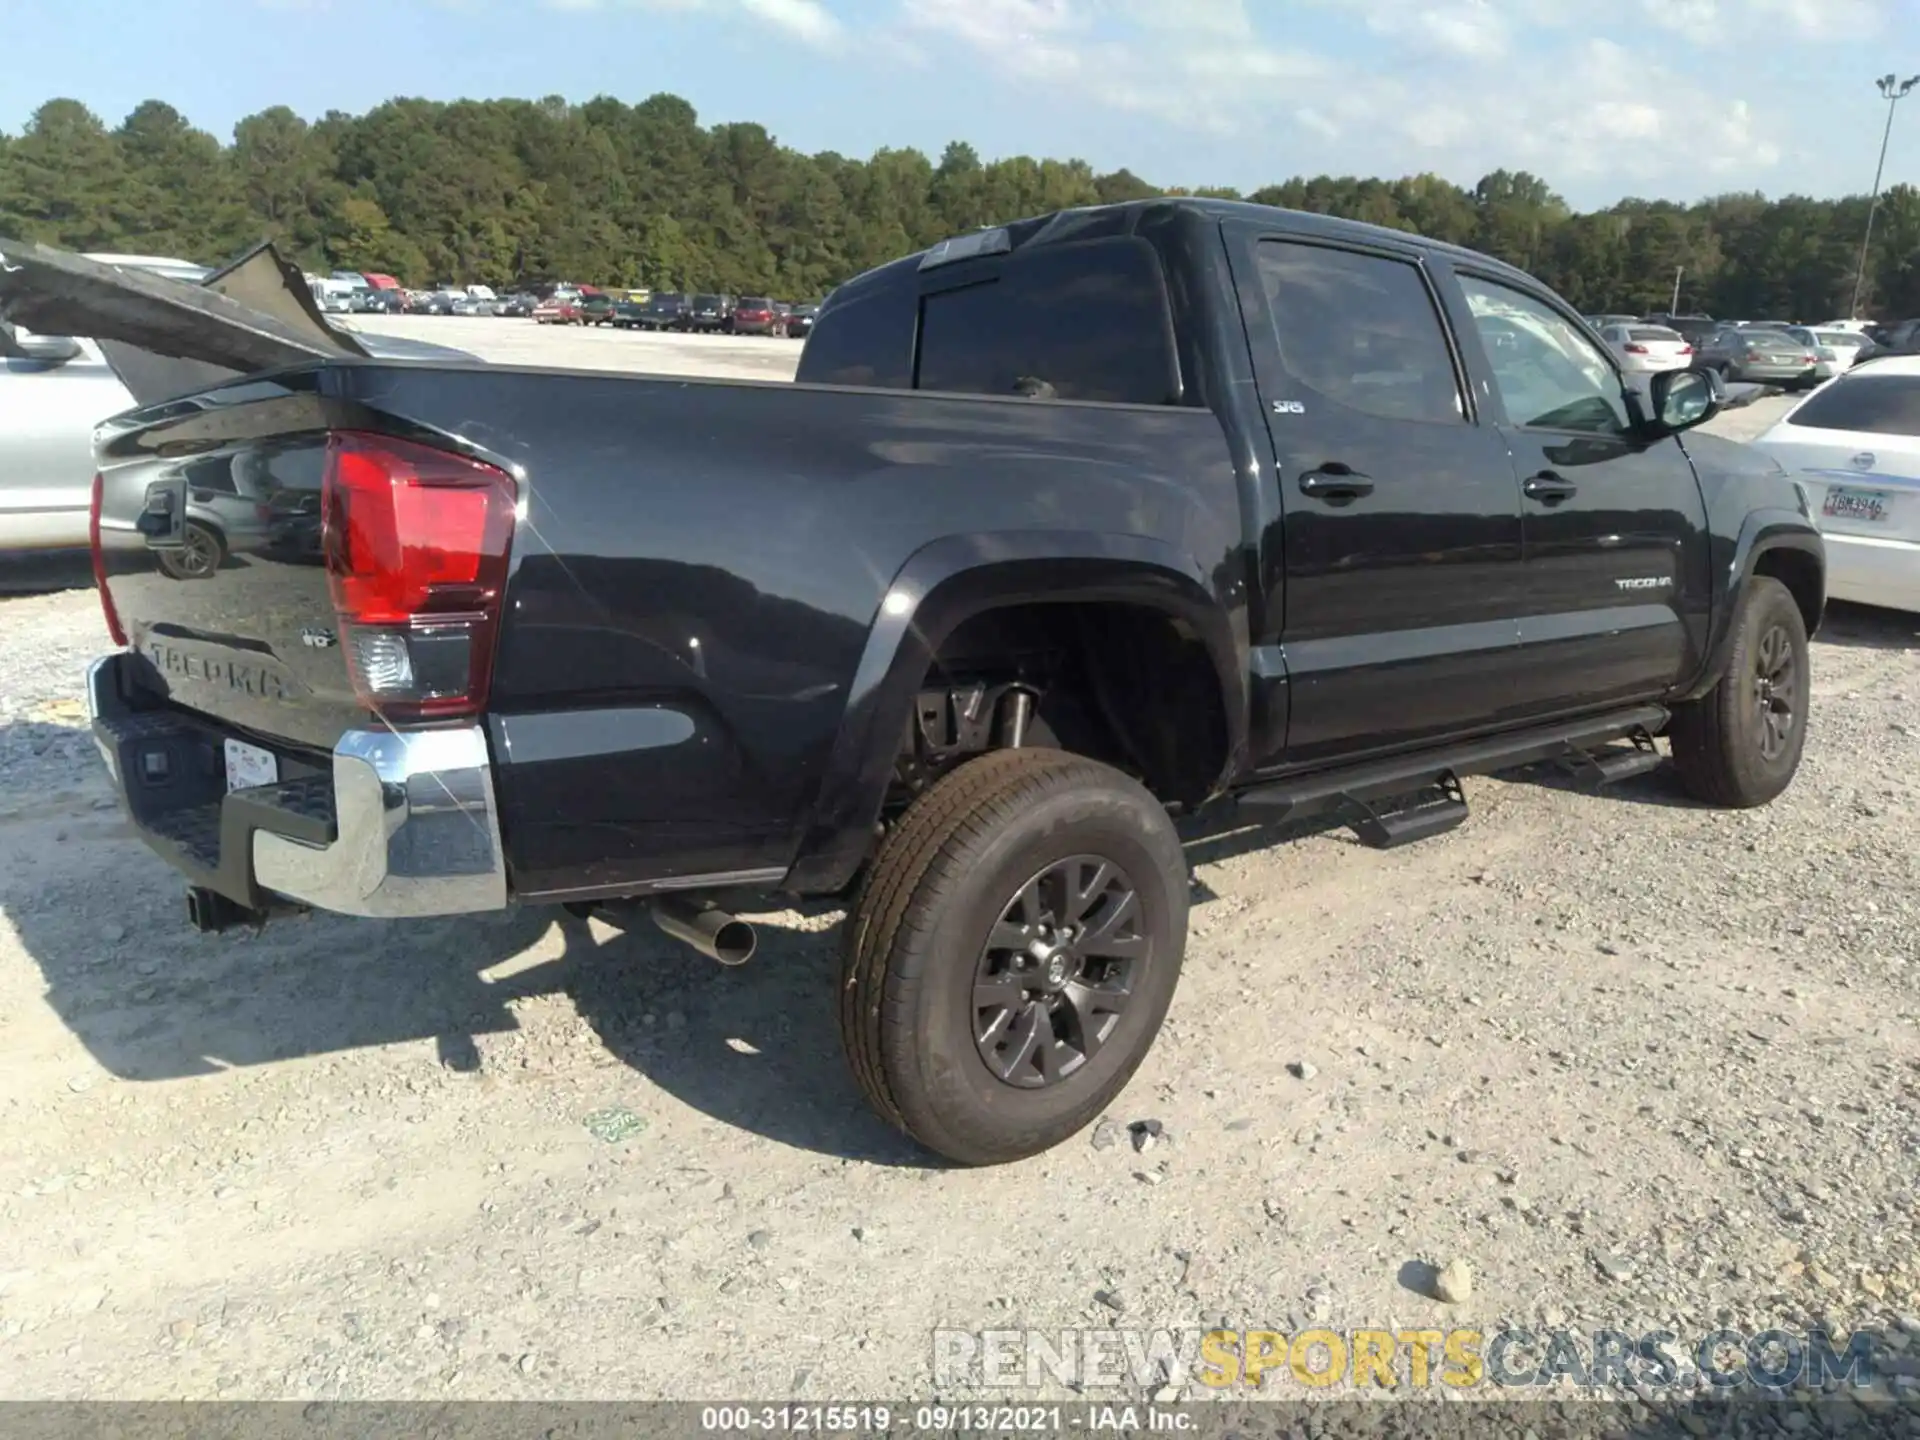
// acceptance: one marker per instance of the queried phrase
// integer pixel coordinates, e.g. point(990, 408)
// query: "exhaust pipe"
point(707, 928)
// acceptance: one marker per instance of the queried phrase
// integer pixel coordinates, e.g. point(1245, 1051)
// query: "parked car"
point(439, 302)
point(1827, 361)
point(1076, 609)
point(629, 314)
point(708, 312)
point(1900, 337)
point(557, 310)
point(385, 302)
point(1855, 445)
point(755, 315)
point(800, 322)
point(1696, 330)
point(518, 305)
point(1846, 347)
point(1647, 349)
point(1758, 355)
point(664, 311)
point(55, 389)
point(597, 309)
point(472, 305)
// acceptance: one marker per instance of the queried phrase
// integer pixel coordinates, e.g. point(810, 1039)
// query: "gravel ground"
point(1635, 1063)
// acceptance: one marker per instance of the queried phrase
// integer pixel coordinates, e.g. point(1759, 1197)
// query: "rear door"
point(1855, 445)
point(1615, 589)
point(1397, 558)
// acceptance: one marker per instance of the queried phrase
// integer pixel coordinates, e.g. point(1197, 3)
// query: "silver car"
point(1757, 354)
point(54, 390)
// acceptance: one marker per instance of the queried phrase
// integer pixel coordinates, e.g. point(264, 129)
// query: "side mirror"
point(45, 349)
point(1682, 399)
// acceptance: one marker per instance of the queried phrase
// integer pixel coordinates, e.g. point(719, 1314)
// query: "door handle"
point(1337, 482)
point(1549, 488)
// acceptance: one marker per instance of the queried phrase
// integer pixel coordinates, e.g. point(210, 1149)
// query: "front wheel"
point(1012, 953)
point(1739, 745)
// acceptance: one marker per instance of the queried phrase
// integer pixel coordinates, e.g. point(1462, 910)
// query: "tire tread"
point(952, 809)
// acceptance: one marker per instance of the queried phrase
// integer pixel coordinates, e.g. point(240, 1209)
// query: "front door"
point(1397, 550)
point(1616, 581)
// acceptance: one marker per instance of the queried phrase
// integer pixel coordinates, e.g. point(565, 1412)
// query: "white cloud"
point(808, 21)
point(1458, 86)
point(1479, 29)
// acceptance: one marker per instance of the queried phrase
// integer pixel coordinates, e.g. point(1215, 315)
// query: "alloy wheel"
point(1776, 675)
point(1058, 970)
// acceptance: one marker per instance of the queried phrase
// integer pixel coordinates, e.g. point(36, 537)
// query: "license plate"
point(1845, 504)
point(249, 765)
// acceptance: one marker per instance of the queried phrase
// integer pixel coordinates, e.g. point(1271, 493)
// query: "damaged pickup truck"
point(1067, 529)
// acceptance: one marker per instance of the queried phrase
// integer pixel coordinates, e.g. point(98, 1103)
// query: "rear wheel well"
point(1130, 685)
point(1801, 574)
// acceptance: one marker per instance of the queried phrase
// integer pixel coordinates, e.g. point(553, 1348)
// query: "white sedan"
point(1855, 444)
point(1647, 349)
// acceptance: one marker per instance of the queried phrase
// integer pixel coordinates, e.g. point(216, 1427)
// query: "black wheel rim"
point(1058, 970)
point(1776, 675)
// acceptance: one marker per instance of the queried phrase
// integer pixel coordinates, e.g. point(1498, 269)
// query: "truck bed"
point(695, 571)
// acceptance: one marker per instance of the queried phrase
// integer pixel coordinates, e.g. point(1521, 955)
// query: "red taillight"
point(100, 561)
point(1636, 350)
point(416, 547)
point(1686, 349)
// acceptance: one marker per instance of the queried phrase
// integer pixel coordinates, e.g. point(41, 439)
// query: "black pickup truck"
point(1068, 529)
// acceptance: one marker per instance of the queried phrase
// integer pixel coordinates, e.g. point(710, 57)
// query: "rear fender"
point(951, 580)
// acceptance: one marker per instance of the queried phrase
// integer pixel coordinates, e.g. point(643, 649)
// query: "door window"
point(1550, 376)
point(1360, 330)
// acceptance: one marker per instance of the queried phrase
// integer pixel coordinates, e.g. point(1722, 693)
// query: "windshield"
point(1840, 339)
point(756, 302)
point(1653, 332)
point(707, 302)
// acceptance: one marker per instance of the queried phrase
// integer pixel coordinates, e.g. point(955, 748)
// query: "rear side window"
point(1069, 322)
point(863, 339)
point(1360, 330)
point(1875, 404)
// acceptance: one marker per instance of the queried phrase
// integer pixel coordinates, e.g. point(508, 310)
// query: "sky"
point(1602, 98)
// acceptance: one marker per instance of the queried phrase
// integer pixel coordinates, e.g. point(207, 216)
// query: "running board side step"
point(1358, 787)
point(1613, 764)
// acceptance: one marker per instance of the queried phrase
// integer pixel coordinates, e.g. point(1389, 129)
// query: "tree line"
point(505, 192)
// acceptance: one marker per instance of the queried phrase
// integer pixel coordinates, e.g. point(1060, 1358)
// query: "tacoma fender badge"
point(316, 639)
point(1645, 582)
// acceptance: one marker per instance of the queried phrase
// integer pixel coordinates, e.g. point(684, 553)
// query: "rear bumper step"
point(391, 824)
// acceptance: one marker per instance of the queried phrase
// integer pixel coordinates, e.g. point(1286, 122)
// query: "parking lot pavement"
point(596, 347)
point(1635, 1062)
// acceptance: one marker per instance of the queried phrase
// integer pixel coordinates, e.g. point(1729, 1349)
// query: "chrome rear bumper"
point(396, 824)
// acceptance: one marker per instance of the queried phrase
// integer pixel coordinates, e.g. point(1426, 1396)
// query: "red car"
point(755, 315)
point(560, 310)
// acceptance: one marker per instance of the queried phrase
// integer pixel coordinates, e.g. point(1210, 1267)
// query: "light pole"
point(1895, 89)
